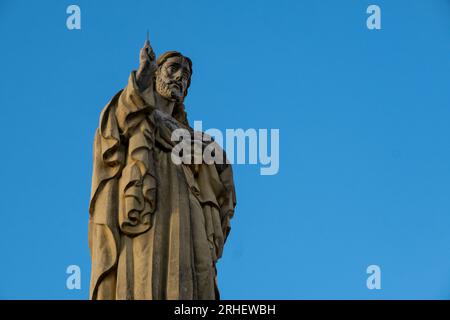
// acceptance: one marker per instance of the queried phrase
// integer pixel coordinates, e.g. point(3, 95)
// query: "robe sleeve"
point(218, 198)
point(228, 198)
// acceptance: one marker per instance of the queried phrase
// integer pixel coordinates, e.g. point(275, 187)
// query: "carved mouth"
point(174, 84)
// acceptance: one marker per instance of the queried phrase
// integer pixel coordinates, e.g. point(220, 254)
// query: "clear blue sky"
point(364, 138)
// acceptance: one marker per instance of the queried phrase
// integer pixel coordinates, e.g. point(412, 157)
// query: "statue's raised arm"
point(147, 66)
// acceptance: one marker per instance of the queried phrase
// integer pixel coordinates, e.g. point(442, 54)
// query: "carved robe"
point(156, 229)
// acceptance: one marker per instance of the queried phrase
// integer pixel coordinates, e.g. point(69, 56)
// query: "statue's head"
point(173, 76)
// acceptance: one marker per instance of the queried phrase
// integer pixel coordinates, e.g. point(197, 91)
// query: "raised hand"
point(147, 66)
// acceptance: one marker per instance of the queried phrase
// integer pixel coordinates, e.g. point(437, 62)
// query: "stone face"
point(156, 229)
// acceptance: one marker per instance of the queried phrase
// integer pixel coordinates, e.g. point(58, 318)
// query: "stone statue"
point(156, 229)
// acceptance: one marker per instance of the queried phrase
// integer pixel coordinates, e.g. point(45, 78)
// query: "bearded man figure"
point(156, 228)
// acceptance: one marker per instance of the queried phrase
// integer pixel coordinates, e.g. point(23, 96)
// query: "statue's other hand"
point(147, 65)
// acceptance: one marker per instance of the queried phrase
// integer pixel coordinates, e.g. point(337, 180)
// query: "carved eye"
point(172, 68)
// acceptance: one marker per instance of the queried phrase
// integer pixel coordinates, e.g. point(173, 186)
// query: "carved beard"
point(163, 88)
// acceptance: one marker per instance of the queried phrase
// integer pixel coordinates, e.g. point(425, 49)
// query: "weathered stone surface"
point(156, 229)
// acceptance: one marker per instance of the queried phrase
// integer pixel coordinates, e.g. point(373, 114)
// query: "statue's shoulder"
point(111, 103)
point(109, 109)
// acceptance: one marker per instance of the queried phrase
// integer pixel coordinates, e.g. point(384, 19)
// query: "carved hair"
point(179, 112)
